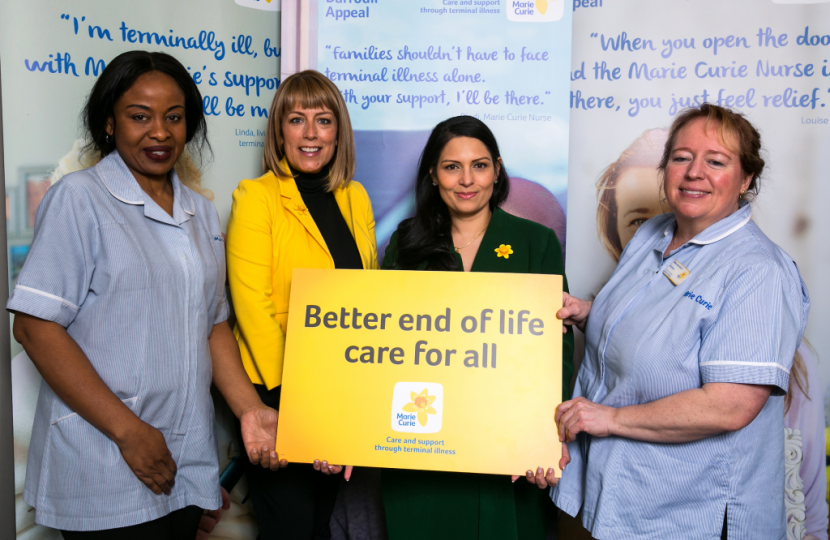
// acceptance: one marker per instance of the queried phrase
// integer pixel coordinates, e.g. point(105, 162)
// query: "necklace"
point(458, 249)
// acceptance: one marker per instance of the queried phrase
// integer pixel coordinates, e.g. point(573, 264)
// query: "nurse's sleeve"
point(55, 279)
point(223, 310)
point(756, 332)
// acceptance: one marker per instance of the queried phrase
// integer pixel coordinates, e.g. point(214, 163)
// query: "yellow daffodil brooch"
point(504, 251)
point(421, 404)
point(300, 209)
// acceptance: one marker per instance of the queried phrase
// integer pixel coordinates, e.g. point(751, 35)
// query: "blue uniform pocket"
point(83, 474)
point(661, 490)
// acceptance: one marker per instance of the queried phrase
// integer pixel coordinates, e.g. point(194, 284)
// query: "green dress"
point(429, 504)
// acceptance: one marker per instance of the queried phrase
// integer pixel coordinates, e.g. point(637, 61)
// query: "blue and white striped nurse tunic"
point(139, 291)
point(737, 318)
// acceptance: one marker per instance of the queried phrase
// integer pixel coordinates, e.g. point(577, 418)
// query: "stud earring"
point(108, 139)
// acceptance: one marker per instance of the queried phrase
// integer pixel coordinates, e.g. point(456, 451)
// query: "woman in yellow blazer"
point(304, 212)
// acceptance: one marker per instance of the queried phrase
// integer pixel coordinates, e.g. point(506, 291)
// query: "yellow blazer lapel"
point(293, 202)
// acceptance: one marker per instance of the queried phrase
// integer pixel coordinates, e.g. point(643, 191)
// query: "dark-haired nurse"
point(458, 226)
point(121, 306)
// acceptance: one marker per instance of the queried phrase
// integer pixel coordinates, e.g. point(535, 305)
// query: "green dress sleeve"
point(553, 264)
point(391, 253)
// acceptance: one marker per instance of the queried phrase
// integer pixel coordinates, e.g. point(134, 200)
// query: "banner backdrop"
point(52, 53)
point(405, 66)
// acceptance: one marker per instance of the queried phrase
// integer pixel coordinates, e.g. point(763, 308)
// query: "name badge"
point(676, 272)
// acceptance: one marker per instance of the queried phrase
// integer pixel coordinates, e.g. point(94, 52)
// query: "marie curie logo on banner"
point(535, 10)
point(417, 407)
point(264, 5)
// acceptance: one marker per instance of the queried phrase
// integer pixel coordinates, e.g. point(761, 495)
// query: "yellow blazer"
point(270, 233)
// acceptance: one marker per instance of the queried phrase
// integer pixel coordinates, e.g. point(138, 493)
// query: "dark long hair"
point(119, 76)
point(428, 235)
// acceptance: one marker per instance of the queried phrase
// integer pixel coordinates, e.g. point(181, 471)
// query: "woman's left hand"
point(259, 433)
point(581, 415)
point(325, 468)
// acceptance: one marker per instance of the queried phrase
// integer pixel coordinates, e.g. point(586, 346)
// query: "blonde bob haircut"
point(310, 89)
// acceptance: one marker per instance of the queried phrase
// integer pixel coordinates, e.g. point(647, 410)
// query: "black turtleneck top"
point(326, 214)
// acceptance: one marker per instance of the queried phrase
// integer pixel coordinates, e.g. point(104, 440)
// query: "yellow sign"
point(445, 371)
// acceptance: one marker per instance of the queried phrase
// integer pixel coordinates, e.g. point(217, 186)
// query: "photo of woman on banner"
point(304, 212)
point(121, 307)
point(628, 192)
point(688, 354)
point(459, 226)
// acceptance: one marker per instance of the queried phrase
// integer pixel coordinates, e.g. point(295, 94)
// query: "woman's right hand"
point(574, 311)
point(146, 453)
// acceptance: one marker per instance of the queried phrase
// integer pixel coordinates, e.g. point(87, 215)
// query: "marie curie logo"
point(535, 10)
point(417, 407)
point(264, 5)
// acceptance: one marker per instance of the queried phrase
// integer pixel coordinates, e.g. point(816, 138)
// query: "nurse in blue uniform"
point(121, 306)
point(676, 427)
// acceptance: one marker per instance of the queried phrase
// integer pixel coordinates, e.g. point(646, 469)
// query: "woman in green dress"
point(458, 226)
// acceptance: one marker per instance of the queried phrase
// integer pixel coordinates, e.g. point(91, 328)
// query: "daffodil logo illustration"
point(421, 403)
point(542, 6)
point(504, 251)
